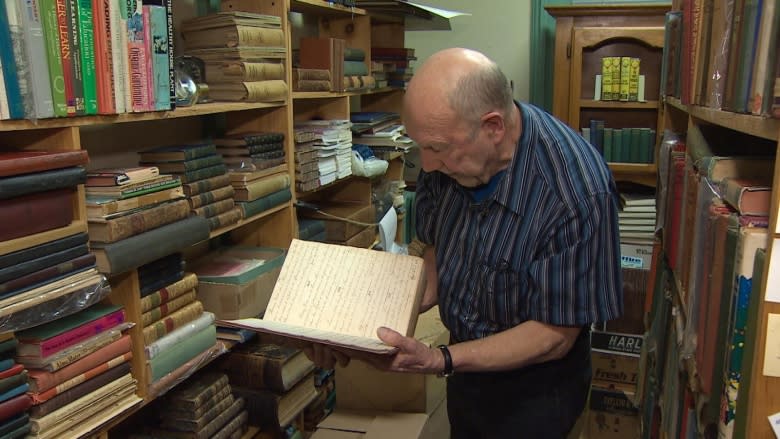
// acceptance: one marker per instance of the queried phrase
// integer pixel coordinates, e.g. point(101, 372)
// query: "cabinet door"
point(637, 116)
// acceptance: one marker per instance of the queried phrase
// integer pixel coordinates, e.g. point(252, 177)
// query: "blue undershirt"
point(480, 193)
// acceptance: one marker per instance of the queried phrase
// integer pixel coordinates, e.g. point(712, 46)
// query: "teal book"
point(617, 144)
point(238, 264)
point(176, 153)
point(160, 62)
point(608, 145)
point(254, 207)
point(87, 51)
point(51, 38)
point(167, 361)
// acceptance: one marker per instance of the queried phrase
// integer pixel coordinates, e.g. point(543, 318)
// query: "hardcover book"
point(195, 392)
point(28, 161)
point(262, 365)
point(35, 213)
point(317, 279)
point(122, 225)
point(121, 176)
point(176, 153)
point(222, 390)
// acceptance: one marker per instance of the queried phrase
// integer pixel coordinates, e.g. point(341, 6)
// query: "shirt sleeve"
point(426, 208)
point(576, 278)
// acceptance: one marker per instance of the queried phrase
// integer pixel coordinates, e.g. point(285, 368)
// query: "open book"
point(340, 295)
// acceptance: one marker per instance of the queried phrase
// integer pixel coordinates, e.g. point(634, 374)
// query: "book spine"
point(47, 273)
point(205, 185)
point(68, 356)
point(65, 55)
point(176, 355)
point(167, 308)
point(52, 40)
point(206, 389)
point(176, 289)
point(139, 222)
point(43, 106)
point(98, 209)
point(160, 328)
point(633, 79)
point(262, 204)
point(34, 213)
point(203, 173)
point(222, 419)
point(149, 55)
point(159, 52)
point(75, 63)
point(119, 54)
point(37, 261)
point(197, 423)
point(87, 51)
point(15, 405)
point(69, 338)
point(211, 196)
point(215, 208)
point(234, 427)
point(218, 391)
point(89, 386)
point(41, 381)
point(82, 377)
point(101, 16)
point(225, 219)
point(139, 91)
point(11, 76)
point(178, 335)
point(263, 187)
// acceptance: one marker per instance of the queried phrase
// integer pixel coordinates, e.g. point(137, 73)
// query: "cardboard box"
point(360, 386)
point(237, 282)
point(612, 415)
point(367, 424)
point(615, 360)
point(636, 256)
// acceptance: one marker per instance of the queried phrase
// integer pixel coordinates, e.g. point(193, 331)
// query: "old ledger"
point(340, 295)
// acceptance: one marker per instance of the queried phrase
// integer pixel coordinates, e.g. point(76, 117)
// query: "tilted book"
point(266, 366)
point(340, 295)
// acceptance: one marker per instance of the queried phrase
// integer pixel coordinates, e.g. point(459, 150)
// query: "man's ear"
point(493, 122)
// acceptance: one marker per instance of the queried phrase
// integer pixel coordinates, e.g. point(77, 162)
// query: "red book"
point(72, 382)
point(11, 371)
point(35, 213)
point(103, 61)
point(41, 380)
point(14, 406)
point(25, 162)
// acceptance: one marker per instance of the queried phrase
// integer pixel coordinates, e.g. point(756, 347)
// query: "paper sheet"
point(772, 348)
point(773, 279)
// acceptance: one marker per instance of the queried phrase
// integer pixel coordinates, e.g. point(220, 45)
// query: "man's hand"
point(325, 356)
point(412, 356)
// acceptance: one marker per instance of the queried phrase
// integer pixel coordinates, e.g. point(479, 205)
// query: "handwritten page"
point(339, 294)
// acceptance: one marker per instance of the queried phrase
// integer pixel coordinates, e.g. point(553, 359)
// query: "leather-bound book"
point(28, 161)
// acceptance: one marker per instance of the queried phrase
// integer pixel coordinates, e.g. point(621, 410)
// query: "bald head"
point(463, 82)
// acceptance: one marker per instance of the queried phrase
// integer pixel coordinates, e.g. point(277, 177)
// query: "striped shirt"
point(543, 246)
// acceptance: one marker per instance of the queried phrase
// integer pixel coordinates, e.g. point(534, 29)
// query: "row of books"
point(723, 57)
point(625, 145)
point(75, 58)
point(620, 78)
point(323, 153)
point(243, 54)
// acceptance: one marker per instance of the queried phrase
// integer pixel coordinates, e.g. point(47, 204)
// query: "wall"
point(498, 28)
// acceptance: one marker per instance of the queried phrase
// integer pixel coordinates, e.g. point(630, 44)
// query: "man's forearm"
point(431, 295)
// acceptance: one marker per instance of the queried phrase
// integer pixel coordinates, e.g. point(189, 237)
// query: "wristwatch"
point(448, 368)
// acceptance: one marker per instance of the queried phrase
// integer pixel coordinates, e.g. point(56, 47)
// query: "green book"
point(645, 146)
point(617, 144)
point(175, 356)
point(625, 152)
point(87, 49)
point(51, 38)
point(254, 207)
point(609, 154)
point(635, 147)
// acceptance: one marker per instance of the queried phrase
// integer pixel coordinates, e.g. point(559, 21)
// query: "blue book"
point(158, 19)
point(16, 391)
point(10, 73)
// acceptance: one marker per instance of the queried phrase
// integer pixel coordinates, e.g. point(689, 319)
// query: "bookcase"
point(114, 140)
point(584, 35)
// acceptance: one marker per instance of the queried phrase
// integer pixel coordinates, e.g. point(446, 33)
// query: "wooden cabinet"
point(584, 35)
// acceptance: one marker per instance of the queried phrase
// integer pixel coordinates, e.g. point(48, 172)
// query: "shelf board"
point(633, 168)
point(758, 126)
point(271, 211)
point(332, 94)
point(11, 245)
point(618, 105)
point(299, 194)
point(324, 8)
point(193, 111)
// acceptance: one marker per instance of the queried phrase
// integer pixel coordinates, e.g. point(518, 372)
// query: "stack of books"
point(325, 403)
point(14, 402)
point(311, 80)
point(254, 151)
point(636, 218)
point(175, 327)
point(243, 52)
point(332, 139)
point(79, 371)
point(392, 66)
point(204, 406)
point(130, 210)
point(204, 179)
point(276, 381)
point(307, 168)
point(258, 191)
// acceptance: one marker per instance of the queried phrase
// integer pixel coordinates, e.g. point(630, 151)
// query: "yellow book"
point(633, 80)
point(625, 67)
point(615, 69)
point(606, 78)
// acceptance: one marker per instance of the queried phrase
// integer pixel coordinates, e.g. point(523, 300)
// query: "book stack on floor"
point(255, 151)
point(244, 55)
point(132, 212)
point(176, 330)
point(14, 401)
point(202, 407)
point(332, 141)
point(79, 371)
point(44, 258)
point(203, 176)
point(276, 381)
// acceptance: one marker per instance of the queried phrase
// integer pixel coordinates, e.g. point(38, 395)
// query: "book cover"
point(182, 166)
point(176, 355)
point(237, 264)
point(259, 365)
point(176, 153)
point(130, 223)
point(35, 50)
point(87, 54)
point(333, 272)
point(102, 205)
point(48, 248)
point(121, 176)
point(35, 182)
point(178, 335)
point(75, 352)
point(10, 69)
point(55, 272)
point(158, 20)
point(135, 189)
point(28, 161)
point(14, 406)
point(748, 196)
point(104, 65)
point(197, 391)
point(35, 213)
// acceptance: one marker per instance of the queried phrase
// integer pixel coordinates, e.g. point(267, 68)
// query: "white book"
point(118, 54)
point(5, 112)
point(35, 48)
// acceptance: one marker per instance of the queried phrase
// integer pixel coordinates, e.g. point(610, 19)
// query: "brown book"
point(244, 71)
point(245, 177)
point(35, 213)
point(270, 410)
point(196, 392)
point(193, 423)
point(165, 309)
point(311, 74)
point(174, 320)
point(311, 85)
point(215, 208)
point(749, 197)
point(210, 429)
point(261, 187)
point(172, 411)
point(634, 291)
point(28, 161)
point(258, 365)
point(320, 53)
point(114, 228)
point(225, 219)
point(41, 380)
point(205, 198)
point(208, 184)
point(102, 206)
point(163, 295)
point(274, 90)
point(14, 406)
point(233, 36)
